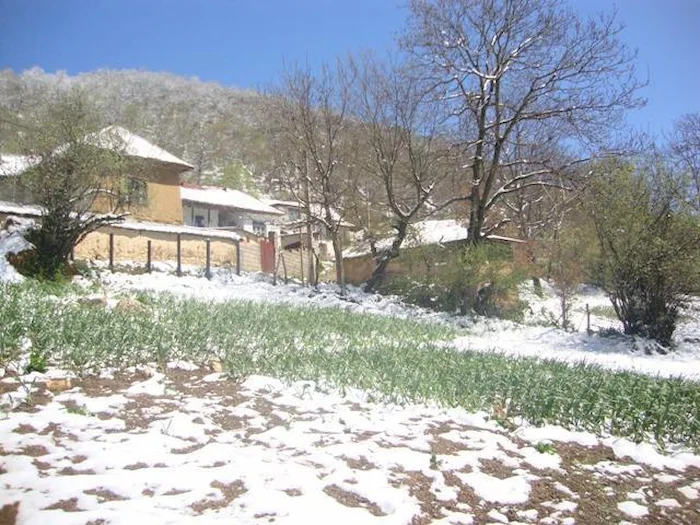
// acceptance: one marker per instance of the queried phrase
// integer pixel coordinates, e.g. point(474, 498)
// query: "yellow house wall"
point(164, 203)
point(163, 192)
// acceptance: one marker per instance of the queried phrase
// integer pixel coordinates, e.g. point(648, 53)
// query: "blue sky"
point(246, 42)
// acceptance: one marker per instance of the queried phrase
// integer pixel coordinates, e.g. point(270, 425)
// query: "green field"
point(397, 360)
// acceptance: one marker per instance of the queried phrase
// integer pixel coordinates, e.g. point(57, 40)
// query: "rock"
point(145, 371)
point(59, 385)
point(214, 365)
point(93, 300)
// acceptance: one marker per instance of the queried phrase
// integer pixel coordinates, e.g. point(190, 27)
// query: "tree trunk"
point(379, 272)
point(339, 269)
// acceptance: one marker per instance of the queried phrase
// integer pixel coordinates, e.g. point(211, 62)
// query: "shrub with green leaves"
point(650, 247)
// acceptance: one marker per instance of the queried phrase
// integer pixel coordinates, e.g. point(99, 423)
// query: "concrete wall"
point(293, 263)
point(132, 245)
point(426, 262)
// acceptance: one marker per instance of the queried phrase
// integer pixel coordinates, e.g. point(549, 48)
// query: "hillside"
point(207, 124)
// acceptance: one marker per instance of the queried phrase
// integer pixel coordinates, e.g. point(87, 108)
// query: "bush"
point(650, 248)
point(477, 279)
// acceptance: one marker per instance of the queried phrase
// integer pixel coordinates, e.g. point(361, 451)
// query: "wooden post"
point(284, 265)
point(588, 319)
point(111, 252)
point(148, 257)
point(238, 257)
point(207, 273)
point(179, 255)
point(301, 254)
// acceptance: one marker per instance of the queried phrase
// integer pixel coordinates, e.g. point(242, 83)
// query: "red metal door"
point(267, 256)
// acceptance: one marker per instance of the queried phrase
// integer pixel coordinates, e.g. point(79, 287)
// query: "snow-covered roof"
point(158, 227)
point(11, 164)
point(9, 208)
point(227, 198)
point(114, 138)
point(23, 210)
point(316, 210)
point(424, 233)
point(133, 145)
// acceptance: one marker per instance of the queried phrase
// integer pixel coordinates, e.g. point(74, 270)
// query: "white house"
point(289, 225)
point(214, 207)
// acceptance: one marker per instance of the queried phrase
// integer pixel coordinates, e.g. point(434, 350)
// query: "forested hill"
point(211, 126)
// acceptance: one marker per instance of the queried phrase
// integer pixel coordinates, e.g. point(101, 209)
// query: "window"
point(199, 221)
point(136, 192)
point(259, 228)
point(293, 213)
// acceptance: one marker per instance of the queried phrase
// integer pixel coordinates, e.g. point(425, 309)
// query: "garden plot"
point(535, 338)
point(190, 446)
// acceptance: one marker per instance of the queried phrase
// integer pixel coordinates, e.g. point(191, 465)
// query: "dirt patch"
point(419, 486)
point(364, 436)
point(573, 453)
point(66, 505)
point(350, 499)
point(35, 400)
point(466, 496)
point(495, 468)
point(294, 493)
point(70, 471)
point(175, 492)
point(57, 433)
point(8, 387)
point(25, 429)
point(188, 450)
point(359, 464)
point(136, 466)
point(441, 447)
point(227, 422)
point(99, 387)
point(136, 413)
point(229, 492)
point(8, 513)
point(42, 465)
point(104, 495)
point(34, 451)
point(190, 383)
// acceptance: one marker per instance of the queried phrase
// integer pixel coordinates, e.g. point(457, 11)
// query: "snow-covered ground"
point(12, 241)
point(534, 338)
point(190, 446)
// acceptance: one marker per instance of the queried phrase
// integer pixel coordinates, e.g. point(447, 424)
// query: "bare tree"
point(406, 157)
point(685, 146)
point(524, 80)
point(311, 118)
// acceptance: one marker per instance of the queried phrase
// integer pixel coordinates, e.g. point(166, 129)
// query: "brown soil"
point(350, 499)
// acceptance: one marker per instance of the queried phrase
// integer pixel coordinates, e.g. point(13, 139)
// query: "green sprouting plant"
point(37, 363)
point(397, 360)
point(545, 447)
point(78, 410)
